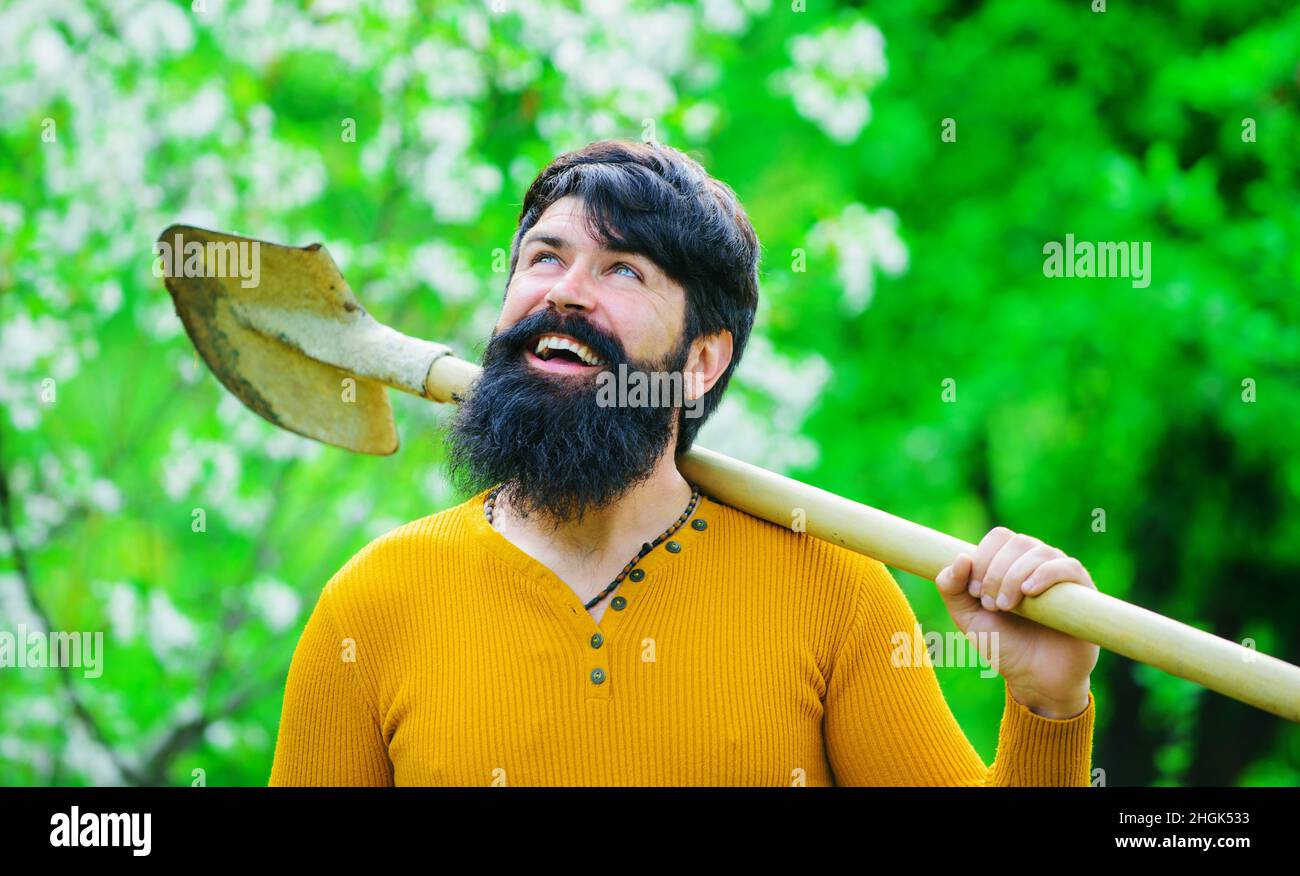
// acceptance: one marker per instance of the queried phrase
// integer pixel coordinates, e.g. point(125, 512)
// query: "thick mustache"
point(519, 336)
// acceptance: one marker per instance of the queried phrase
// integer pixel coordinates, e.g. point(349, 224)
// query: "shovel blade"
point(275, 379)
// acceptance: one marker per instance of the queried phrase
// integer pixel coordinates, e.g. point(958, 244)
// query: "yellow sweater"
point(441, 654)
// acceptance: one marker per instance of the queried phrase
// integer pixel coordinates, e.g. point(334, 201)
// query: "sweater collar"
point(687, 537)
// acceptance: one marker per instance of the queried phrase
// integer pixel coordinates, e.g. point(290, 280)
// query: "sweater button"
point(618, 603)
point(699, 524)
point(636, 575)
point(597, 640)
point(674, 547)
point(597, 676)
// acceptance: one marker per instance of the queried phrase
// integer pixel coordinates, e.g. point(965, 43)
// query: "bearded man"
point(589, 618)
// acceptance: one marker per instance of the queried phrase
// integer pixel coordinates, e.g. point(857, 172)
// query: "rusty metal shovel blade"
point(281, 329)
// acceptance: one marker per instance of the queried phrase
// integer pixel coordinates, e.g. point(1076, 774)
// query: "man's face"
point(535, 421)
point(623, 296)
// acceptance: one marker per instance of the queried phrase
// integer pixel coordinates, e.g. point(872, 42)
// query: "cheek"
point(645, 333)
point(521, 298)
point(622, 322)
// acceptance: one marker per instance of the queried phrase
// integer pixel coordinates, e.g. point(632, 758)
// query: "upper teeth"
point(555, 342)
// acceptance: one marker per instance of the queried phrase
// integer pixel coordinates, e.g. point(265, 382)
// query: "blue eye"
point(632, 272)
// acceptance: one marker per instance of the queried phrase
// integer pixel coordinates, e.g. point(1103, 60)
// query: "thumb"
point(953, 582)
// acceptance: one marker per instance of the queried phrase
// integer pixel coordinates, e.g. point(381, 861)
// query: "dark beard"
point(556, 452)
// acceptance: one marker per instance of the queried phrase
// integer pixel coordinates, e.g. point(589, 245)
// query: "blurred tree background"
point(904, 166)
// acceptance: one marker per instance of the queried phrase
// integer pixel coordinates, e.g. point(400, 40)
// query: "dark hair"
point(666, 207)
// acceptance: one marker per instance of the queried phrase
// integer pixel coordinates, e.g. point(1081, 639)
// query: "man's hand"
point(1046, 670)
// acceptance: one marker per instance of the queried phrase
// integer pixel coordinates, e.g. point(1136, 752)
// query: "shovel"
point(299, 349)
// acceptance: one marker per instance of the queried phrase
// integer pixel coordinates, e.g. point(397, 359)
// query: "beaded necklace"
point(645, 548)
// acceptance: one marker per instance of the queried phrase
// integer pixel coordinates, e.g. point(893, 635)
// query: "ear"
point(710, 355)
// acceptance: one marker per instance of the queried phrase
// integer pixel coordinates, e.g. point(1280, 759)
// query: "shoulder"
point(396, 562)
point(843, 595)
point(843, 575)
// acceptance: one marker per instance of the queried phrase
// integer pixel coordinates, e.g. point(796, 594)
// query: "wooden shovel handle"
point(1223, 666)
point(450, 379)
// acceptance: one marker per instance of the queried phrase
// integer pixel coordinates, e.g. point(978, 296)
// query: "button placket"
point(598, 675)
point(653, 563)
point(643, 573)
point(650, 568)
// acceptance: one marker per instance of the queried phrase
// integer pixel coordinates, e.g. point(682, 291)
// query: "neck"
point(618, 530)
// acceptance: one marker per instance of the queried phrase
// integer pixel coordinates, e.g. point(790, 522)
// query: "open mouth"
point(556, 352)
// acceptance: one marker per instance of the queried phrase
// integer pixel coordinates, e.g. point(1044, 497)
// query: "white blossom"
point(169, 631)
point(276, 603)
point(834, 70)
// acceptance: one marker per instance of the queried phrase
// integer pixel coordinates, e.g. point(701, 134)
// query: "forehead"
point(565, 220)
point(567, 211)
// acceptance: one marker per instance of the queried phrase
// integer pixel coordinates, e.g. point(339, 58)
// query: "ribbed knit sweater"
point(442, 654)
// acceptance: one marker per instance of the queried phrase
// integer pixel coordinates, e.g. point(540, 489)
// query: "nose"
point(573, 292)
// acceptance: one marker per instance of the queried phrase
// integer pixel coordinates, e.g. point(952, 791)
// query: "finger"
point(988, 547)
point(1015, 548)
point(1054, 572)
point(962, 607)
point(1009, 593)
point(954, 579)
